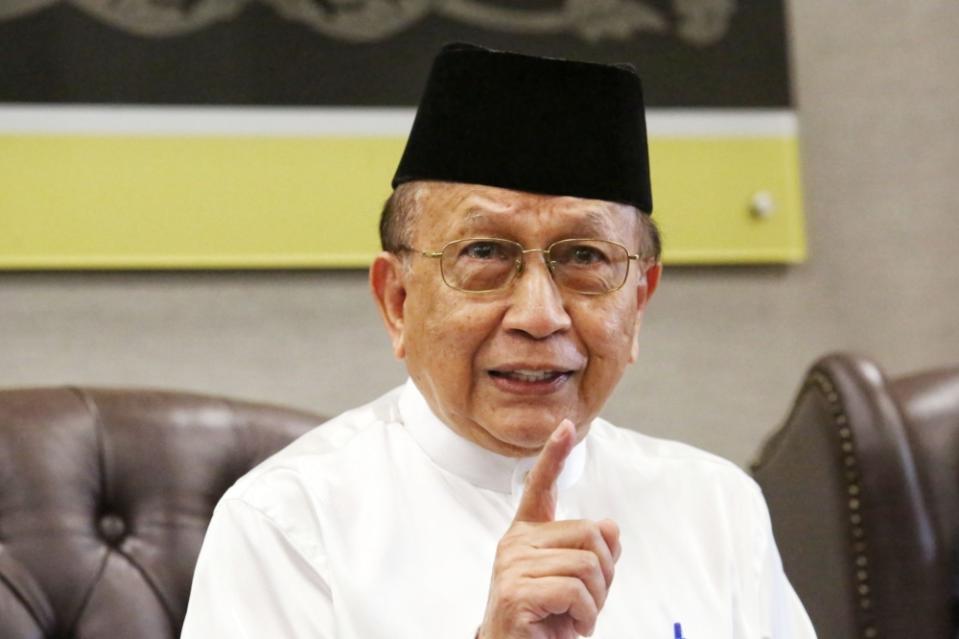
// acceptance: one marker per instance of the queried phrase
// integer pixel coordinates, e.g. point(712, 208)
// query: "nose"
point(536, 303)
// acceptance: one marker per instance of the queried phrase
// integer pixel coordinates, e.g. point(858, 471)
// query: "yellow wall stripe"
point(83, 201)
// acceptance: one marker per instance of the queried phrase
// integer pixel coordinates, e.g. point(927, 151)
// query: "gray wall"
point(723, 348)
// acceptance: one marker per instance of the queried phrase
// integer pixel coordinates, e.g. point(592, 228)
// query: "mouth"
point(528, 380)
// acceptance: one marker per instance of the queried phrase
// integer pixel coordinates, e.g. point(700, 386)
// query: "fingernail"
point(560, 431)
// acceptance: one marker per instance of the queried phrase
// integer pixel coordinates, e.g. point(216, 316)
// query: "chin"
point(526, 431)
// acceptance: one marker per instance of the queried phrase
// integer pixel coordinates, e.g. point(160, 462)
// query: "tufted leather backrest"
point(104, 499)
point(862, 482)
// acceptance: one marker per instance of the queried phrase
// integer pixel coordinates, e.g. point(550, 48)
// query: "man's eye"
point(587, 255)
point(482, 251)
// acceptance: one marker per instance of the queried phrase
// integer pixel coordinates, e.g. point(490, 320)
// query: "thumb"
point(539, 496)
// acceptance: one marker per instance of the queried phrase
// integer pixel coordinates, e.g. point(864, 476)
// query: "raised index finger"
point(539, 496)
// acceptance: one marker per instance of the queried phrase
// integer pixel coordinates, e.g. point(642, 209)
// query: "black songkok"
point(544, 125)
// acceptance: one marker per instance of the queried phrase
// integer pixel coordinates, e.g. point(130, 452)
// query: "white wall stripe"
point(721, 122)
point(309, 121)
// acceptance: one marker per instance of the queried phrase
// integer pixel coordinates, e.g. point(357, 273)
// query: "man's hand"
point(550, 578)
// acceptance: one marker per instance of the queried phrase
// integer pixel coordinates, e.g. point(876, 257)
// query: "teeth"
point(531, 376)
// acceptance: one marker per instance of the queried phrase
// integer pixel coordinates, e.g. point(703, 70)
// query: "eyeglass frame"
point(520, 263)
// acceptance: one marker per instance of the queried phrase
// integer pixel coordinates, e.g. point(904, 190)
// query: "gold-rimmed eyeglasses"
point(487, 264)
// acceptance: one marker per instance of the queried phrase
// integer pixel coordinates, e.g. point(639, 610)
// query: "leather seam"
point(106, 497)
point(19, 596)
point(94, 413)
point(150, 584)
point(88, 596)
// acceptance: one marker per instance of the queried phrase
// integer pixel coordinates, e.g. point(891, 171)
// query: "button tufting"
point(112, 528)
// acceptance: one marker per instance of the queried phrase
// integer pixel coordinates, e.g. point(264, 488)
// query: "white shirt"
point(383, 523)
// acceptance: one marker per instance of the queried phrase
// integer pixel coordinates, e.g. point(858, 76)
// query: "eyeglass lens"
point(584, 266)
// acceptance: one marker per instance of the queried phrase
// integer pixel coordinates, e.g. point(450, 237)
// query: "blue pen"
point(677, 631)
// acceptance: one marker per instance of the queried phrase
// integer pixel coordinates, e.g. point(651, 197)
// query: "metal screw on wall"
point(762, 205)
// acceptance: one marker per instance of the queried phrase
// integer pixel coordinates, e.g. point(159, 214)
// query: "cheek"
point(451, 332)
point(608, 334)
point(609, 329)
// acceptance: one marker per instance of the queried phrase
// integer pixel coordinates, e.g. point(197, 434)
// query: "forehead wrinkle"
point(591, 223)
point(600, 221)
point(482, 211)
point(464, 204)
point(595, 223)
point(480, 205)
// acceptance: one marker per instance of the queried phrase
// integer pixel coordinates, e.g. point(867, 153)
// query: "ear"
point(389, 291)
point(644, 291)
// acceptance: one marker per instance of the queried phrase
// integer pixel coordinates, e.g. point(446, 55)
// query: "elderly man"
point(485, 497)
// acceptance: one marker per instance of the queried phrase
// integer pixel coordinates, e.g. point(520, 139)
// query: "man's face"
point(471, 354)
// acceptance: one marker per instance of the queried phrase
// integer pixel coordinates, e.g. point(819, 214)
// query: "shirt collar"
point(459, 456)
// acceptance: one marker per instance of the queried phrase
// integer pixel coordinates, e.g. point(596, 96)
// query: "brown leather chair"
point(104, 499)
point(862, 482)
